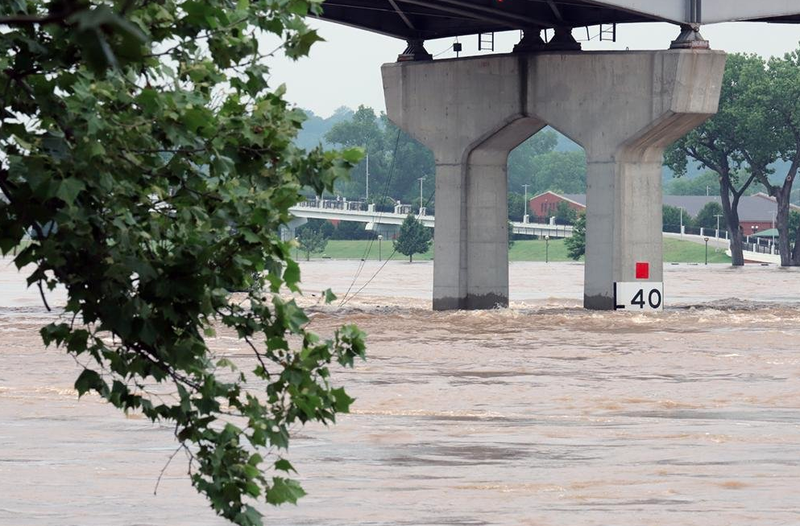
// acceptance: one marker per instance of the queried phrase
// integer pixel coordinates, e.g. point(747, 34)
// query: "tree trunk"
point(782, 224)
point(796, 251)
point(737, 239)
point(411, 258)
point(732, 219)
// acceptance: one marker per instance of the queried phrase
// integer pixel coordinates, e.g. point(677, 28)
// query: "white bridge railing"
point(358, 211)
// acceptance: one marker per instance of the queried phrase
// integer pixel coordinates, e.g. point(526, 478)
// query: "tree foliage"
point(152, 164)
point(565, 214)
point(673, 217)
point(576, 244)
point(413, 238)
point(560, 172)
point(516, 206)
point(396, 160)
point(707, 216)
point(774, 121)
point(726, 142)
point(521, 169)
point(312, 239)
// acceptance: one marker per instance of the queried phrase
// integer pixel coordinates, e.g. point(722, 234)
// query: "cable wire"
point(380, 214)
point(375, 275)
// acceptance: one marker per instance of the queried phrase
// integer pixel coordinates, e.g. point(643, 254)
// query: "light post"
point(367, 174)
point(681, 209)
point(706, 240)
point(297, 248)
point(380, 238)
point(525, 204)
point(420, 194)
point(717, 216)
point(547, 249)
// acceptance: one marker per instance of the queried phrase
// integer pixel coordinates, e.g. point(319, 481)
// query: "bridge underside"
point(429, 19)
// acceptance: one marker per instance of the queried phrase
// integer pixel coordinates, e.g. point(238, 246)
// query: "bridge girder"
point(428, 19)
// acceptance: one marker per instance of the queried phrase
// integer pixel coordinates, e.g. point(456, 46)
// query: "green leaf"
point(283, 491)
point(284, 465)
point(87, 381)
point(342, 401)
point(292, 275)
point(68, 189)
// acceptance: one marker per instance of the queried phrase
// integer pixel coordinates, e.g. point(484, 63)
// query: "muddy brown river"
point(541, 414)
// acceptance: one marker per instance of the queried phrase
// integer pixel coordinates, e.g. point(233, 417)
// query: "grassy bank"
point(675, 251)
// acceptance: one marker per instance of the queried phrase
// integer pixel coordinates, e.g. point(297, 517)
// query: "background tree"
point(707, 216)
point(362, 130)
point(718, 144)
point(794, 224)
point(576, 244)
point(561, 172)
point(412, 160)
point(565, 214)
point(351, 230)
point(312, 239)
point(673, 218)
point(706, 183)
point(520, 160)
point(413, 238)
point(144, 149)
point(516, 206)
point(774, 125)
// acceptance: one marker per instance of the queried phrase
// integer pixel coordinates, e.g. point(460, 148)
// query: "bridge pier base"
point(624, 108)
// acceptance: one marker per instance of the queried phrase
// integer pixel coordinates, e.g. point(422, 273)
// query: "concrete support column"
point(623, 226)
point(471, 135)
point(624, 108)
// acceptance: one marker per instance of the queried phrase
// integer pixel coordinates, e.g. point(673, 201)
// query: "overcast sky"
point(345, 70)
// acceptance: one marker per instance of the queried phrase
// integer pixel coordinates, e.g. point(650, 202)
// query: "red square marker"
point(642, 270)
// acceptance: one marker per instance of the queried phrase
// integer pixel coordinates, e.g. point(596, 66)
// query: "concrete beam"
point(624, 108)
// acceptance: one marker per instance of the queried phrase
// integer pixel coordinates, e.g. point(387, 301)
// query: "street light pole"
point(718, 216)
point(547, 249)
point(525, 204)
point(420, 194)
point(367, 197)
point(380, 238)
point(706, 239)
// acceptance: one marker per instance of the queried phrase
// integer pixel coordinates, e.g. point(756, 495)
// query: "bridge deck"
point(427, 19)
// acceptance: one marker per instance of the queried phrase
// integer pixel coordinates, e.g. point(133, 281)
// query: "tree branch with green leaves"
point(146, 167)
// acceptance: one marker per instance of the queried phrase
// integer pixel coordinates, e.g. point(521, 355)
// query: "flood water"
point(540, 414)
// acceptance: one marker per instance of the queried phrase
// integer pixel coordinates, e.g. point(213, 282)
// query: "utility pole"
point(420, 194)
point(717, 216)
point(525, 207)
point(367, 197)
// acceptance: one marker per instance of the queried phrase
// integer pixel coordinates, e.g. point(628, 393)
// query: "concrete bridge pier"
point(471, 135)
point(624, 108)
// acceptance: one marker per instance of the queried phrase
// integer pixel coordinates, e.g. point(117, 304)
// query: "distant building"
point(544, 205)
point(756, 212)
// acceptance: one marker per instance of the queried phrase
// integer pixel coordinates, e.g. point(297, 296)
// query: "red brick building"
point(544, 205)
point(756, 212)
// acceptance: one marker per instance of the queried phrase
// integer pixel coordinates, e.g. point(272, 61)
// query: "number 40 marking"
point(641, 295)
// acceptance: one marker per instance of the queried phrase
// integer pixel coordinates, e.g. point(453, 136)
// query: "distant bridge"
point(343, 210)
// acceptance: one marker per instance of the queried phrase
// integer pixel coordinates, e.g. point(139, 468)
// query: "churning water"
point(540, 414)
